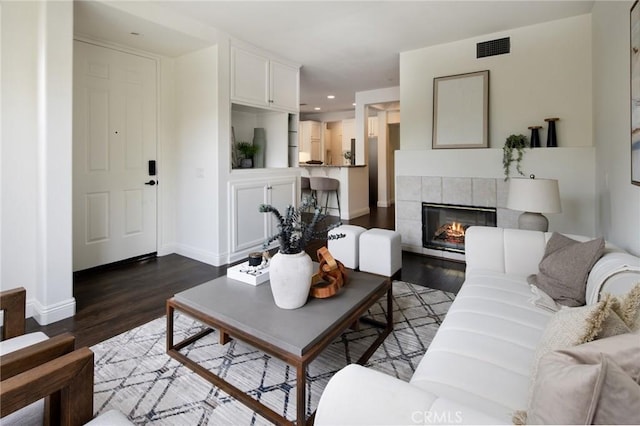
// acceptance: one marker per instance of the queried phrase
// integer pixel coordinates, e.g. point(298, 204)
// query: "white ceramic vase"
point(290, 277)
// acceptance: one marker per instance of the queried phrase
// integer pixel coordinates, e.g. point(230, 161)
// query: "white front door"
point(114, 139)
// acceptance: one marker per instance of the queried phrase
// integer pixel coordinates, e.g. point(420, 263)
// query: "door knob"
point(151, 182)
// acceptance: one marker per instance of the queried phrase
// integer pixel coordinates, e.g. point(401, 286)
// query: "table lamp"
point(534, 197)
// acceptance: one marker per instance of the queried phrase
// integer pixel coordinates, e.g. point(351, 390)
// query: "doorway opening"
point(383, 139)
point(114, 155)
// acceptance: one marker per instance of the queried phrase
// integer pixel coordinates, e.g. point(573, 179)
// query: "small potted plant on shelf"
point(291, 269)
point(348, 157)
point(247, 151)
point(516, 143)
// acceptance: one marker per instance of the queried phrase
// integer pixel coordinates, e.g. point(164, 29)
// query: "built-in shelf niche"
point(244, 119)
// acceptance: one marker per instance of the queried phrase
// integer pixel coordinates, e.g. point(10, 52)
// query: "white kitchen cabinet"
point(310, 133)
point(261, 81)
point(249, 227)
point(348, 133)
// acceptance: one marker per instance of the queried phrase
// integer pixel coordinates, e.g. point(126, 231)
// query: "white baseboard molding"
point(166, 249)
point(387, 203)
point(357, 213)
point(45, 315)
point(243, 254)
point(201, 255)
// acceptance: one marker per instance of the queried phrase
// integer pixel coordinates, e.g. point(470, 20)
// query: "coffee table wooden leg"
point(169, 326)
point(224, 337)
point(390, 308)
point(301, 387)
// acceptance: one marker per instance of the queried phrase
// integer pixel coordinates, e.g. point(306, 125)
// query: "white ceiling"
point(343, 46)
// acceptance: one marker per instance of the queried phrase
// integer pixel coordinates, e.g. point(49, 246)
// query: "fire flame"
point(456, 229)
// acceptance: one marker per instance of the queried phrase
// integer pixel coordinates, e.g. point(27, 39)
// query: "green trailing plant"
point(248, 150)
point(516, 143)
point(294, 233)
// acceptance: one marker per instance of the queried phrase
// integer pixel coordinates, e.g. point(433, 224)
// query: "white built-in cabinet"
point(249, 227)
point(263, 82)
point(264, 94)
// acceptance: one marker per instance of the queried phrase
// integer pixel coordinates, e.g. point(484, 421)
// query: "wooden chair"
point(49, 369)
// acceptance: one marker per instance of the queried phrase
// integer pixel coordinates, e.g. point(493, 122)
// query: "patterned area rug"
point(134, 375)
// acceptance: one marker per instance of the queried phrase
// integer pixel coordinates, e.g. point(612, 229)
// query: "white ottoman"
point(345, 249)
point(380, 252)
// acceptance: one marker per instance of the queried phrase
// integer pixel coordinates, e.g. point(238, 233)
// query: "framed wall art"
point(635, 93)
point(461, 111)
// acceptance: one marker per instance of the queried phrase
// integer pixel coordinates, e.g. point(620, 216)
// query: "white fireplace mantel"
point(475, 177)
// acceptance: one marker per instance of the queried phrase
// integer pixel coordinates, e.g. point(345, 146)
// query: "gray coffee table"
point(238, 310)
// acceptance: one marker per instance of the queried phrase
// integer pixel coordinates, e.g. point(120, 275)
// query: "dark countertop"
point(330, 165)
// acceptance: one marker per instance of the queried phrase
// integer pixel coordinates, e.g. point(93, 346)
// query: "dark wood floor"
point(113, 300)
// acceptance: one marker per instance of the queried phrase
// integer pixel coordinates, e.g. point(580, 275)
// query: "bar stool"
point(326, 185)
point(306, 191)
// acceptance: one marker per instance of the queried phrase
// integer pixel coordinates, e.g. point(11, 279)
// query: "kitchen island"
point(354, 187)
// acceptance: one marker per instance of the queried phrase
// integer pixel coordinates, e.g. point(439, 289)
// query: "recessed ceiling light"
point(354, 104)
point(331, 96)
point(317, 108)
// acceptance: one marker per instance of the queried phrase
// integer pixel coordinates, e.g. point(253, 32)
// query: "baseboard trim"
point(166, 249)
point(45, 315)
point(201, 255)
point(357, 213)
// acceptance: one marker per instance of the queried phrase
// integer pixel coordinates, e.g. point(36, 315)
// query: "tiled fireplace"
point(413, 191)
point(444, 225)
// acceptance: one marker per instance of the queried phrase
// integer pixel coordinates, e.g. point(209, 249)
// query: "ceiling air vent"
point(493, 47)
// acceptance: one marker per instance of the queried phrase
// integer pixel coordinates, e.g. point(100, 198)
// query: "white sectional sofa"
point(477, 369)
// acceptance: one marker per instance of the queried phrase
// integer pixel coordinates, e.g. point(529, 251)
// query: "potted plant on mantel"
point(516, 143)
point(247, 150)
point(291, 269)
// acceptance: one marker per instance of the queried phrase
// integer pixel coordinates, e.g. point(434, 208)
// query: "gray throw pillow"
point(564, 268)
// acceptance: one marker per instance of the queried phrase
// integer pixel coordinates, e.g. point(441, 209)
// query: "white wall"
point(167, 167)
point(618, 199)
point(547, 74)
point(37, 71)
point(19, 136)
point(328, 116)
point(197, 162)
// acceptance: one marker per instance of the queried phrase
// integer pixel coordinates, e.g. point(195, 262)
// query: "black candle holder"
point(552, 141)
point(535, 136)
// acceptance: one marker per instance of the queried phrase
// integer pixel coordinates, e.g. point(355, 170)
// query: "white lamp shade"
point(534, 195)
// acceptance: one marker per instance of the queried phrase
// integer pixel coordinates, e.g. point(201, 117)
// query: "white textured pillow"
point(629, 308)
point(574, 326)
point(570, 327)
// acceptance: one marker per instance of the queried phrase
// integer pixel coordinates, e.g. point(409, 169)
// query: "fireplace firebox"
point(444, 225)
